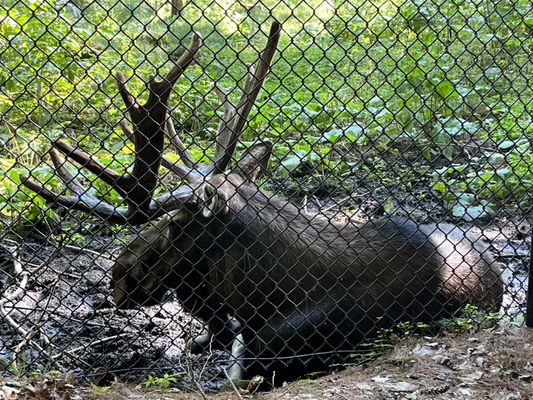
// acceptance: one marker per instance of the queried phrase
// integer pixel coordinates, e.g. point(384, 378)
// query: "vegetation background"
point(432, 98)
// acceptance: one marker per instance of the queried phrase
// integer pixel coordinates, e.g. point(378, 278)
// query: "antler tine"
point(126, 129)
point(235, 117)
point(82, 202)
point(131, 103)
point(160, 89)
point(125, 184)
point(184, 154)
point(187, 174)
point(254, 161)
point(72, 183)
point(229, 107)
point(86, 160)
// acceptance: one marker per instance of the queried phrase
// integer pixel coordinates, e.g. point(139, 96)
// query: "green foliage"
point(351, 76)
point(164, 382)
point(470, 320)
point(100, 390)
point(21, 367)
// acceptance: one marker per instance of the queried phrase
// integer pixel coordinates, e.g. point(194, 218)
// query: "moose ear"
point(254, 161)
point(214, 200)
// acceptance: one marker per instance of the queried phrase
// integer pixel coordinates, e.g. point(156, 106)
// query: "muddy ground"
point(493, 364)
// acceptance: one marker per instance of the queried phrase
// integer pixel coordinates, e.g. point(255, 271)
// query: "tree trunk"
point(177, 5)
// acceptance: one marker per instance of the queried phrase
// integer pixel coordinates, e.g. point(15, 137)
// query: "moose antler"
point(152, 123)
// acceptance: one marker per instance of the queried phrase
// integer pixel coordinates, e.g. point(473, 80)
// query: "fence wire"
point(263, 187)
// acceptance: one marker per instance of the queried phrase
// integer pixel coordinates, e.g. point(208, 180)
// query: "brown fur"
point(301, 283)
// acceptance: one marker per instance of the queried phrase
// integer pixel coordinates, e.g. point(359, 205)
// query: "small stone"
point(403, 387)
point(495, 370)
point(363, 386)
point(477, 351)
point(423, 350)
point(380, 379)
point(471, 379)
point(441, 359)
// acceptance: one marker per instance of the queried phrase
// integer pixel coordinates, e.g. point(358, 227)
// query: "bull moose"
point(289, 291)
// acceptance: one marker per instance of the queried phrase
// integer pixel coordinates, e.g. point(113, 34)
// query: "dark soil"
point(493, 364)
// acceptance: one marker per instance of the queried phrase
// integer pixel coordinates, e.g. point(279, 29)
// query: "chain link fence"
point(196, 189)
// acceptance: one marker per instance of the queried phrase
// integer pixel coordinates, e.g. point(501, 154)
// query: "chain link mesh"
point(372, 174)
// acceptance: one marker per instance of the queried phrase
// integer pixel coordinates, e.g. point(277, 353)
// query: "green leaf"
point(465, 199)
point(445, 89)
point(388, 206)
point(448, 151)
point(353, 133)
point(440, 187)
point(471, 213)
point(506, 144)
point(292, 162)
point(333, 135)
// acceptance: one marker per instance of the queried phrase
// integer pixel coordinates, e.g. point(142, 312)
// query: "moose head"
point(293, 291)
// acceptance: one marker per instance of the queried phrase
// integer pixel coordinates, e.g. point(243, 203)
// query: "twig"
point(87, 251)
point(342, 201)
point(232, 384)
point(317, 201)
point(306, 210)
point(190, 369)
point(209, 354)
point(96, 342)
point(39, 266)
point(336, 204)
point(12, 298)
point(72, 247)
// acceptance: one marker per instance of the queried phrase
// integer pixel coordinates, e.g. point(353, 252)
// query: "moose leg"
point(221, 334)
point(306, 340)
point(238, 350)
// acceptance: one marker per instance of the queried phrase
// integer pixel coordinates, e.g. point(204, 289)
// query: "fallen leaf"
point(400, 387)
point(380, 379)
point(441, 359)
point(472, 378)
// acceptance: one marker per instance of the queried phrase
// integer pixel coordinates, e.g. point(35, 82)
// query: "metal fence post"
point(529, 304)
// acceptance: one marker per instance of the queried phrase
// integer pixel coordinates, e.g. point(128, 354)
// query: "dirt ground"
point(490, 364)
